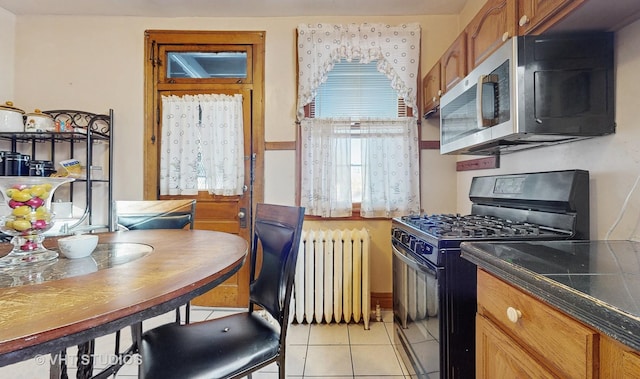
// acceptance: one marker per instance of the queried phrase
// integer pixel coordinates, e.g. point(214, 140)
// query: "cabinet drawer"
point(562, 343)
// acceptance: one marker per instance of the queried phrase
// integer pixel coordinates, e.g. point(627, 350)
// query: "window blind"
point(354, 89)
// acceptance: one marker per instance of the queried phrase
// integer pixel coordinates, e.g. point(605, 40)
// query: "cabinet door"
point(499, 356)
point(489, 29)
point(618, 360)
point(431, 89)
point(536, 16)
point(568, 347)
point(454, 63)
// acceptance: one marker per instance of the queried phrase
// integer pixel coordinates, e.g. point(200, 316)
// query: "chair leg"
point(187, 318)
point(58, 366)
point(117, 349)
point(85, 362)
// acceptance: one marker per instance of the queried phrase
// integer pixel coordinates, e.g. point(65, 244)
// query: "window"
point(359, 141)
point(356, 90)
point(205, 64)
point(200, 65)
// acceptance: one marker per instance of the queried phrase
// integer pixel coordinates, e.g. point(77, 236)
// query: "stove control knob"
point(513, 314)
point(419, 247)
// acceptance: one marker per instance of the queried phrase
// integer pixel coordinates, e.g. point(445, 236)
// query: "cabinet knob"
point(505, 36)
point(524, 20)
point(433, 99)
point(241, 215)
point(439, 92)
point(513, 314)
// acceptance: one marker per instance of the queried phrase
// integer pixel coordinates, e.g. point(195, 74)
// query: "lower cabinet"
point(518, 336)
point(618, 360)
point(500, 356)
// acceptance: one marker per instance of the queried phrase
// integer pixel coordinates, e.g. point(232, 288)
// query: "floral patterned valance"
point(395, 48)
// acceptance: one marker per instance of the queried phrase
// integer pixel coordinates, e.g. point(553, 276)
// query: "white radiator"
point(332, 277)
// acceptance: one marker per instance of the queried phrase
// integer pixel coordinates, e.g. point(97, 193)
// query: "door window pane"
point(197, 65)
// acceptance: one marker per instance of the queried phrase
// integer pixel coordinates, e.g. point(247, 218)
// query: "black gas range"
point(435, 289)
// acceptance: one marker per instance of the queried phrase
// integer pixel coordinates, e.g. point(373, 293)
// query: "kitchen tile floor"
point(334, 351)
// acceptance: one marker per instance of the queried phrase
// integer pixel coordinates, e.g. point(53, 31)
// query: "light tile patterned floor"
point(317, 351)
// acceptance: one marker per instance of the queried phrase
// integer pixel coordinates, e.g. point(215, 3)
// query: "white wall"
point(96, 63)
point(613, 161)
point(7, 47)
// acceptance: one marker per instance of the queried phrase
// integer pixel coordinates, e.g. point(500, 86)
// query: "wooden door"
point(243, 76)
point(229, 214)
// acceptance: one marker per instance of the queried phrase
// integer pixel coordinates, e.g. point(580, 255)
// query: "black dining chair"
point(147, 214)
point(155, 214)
point(236, 345)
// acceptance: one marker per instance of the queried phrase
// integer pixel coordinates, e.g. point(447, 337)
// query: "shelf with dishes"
point(69, 143)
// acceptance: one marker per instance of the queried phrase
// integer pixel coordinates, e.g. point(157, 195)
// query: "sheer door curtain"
point(202, 145)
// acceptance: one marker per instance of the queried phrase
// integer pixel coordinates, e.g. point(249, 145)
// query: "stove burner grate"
point(473, 226)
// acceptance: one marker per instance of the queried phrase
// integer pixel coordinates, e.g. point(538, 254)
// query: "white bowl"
point(78, 246)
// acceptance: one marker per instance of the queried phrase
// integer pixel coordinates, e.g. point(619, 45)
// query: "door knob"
point(242, 218)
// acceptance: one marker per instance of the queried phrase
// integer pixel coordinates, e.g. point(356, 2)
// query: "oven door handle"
point(425, 267)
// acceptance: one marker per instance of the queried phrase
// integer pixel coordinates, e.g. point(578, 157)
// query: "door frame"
point(154, 84)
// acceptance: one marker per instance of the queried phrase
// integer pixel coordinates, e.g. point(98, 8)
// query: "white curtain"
point(395, 48)
point(326, 167)
point(202, 136)
point(390, 171)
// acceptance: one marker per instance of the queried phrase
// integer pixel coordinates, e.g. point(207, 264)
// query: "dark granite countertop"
point(596, 282)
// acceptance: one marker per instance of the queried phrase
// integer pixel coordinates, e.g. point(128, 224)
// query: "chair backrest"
point(155, 214)
point(277, 232)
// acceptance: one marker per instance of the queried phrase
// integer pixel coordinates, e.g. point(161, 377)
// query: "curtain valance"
point(395, 48)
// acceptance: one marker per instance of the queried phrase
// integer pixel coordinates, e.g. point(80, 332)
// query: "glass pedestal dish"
point(29, 216)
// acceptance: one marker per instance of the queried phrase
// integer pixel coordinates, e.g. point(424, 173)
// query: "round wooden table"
point(173, 267)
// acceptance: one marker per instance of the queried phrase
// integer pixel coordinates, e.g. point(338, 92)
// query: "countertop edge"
point(595, 313)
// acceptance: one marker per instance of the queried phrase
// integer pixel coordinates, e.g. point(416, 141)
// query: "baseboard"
point(385, 299)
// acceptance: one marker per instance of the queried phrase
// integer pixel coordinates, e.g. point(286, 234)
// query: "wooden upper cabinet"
point(489, 29)
point(536, 16)
point(454, 63)
point(431, 90)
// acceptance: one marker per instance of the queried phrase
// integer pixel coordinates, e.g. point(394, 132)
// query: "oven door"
point(416, 310)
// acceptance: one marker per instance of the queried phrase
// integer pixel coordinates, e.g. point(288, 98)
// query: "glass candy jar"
point(28, 217)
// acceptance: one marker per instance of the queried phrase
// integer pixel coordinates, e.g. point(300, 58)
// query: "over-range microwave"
point(533, 91)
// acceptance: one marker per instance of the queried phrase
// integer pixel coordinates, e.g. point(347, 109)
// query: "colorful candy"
point(28, 211)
